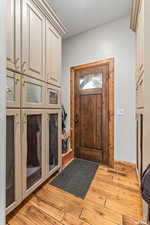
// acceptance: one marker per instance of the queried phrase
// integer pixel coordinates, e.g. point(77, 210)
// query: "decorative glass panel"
point(10, 161)
point(53, 96)
point(10, 89)
point(53, 141)
point(33, 93)
point(34, 148)
point(91, 81)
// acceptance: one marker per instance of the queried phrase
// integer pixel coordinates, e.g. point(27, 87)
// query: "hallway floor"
point(113, 198)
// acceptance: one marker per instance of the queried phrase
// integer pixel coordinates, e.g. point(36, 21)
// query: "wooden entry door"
point(91, 113)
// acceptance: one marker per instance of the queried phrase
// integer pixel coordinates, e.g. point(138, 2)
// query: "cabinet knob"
point(17, 79)
point(8, 90)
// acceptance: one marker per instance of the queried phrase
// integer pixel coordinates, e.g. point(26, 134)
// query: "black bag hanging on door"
point(145, 185)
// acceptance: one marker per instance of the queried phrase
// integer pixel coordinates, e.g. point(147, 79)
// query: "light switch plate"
point(120, 112)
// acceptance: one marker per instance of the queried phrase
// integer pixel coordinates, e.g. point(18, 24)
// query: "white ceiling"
point(82, 15)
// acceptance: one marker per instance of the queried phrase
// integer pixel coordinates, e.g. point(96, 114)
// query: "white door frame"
point(3, 16)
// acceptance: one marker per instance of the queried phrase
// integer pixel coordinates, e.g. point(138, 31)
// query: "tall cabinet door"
point(13, 160)
point(140, 42)
point(53, 140)
point(13, 35)
point(53, 55)
point(33, 40)
point(33, 149)
point(140, 143)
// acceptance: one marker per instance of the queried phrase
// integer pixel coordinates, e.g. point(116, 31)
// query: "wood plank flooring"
point(113, 199)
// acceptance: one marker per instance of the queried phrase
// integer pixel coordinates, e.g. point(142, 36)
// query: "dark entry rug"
point(77, 177)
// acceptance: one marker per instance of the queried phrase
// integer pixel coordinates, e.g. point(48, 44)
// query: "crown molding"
point(134, 14)
point(51, 16)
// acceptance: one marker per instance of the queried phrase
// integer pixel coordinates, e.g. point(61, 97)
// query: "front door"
point(91, 113)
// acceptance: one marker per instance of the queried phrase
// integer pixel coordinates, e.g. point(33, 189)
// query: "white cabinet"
point(140, 95)
point(53, 141)
point(13, 35)
point(140, 144)
point(53, 97)
point(33, 149)
point(140, 42)
point(33, 40)
point(13, 160)
point(13, 89)
point(33, 88)
point(53, 55)
point(33, 93)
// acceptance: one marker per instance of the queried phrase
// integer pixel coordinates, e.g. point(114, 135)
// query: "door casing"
point(110, 63)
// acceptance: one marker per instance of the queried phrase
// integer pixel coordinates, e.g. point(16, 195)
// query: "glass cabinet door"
point(33, 149)
point(13, 89)
point(10, 162)
point(52, 97)
point(33, 93)
point(53, 140)
point(13, 159)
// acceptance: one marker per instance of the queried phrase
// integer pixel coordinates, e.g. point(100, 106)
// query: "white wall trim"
point(134, 14)
point(3, 16)
point(51, 16)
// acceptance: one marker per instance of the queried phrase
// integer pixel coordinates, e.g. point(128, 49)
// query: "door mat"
point(76, 177)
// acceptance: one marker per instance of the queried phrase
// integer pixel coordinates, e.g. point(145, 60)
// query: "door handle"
point(77, 121)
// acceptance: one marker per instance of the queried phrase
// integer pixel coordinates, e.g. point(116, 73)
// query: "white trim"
point(51, 15)
point(134, 14)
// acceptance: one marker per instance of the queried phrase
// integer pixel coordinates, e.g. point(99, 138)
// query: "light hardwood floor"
point(113, 198)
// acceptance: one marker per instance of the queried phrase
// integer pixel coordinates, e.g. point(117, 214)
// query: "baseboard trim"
point(125, 163)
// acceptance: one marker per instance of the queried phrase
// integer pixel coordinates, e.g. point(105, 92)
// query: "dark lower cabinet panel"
point(34, 147)
point(10, 161)
point(53, 140)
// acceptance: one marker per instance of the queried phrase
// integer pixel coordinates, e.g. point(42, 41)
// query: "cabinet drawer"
point(33, 93)
point(53, 97)
point(140, 95)
point(13, 89)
